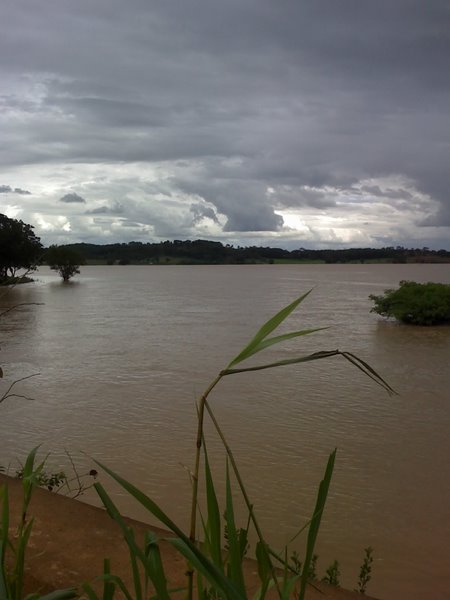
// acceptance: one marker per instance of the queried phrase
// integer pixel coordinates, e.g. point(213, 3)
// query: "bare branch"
point(8, 394)
point(20, 304)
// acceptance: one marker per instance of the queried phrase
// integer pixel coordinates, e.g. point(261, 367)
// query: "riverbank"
point(70, 539)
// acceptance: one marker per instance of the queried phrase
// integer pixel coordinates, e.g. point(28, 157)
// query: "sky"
point(289, 123)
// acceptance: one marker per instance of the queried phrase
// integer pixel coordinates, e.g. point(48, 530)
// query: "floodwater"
point(124, 352)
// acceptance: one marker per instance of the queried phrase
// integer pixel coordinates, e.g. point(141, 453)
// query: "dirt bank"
point(70, 539)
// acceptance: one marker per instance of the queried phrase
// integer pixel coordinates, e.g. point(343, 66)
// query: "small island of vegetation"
point(415, 303)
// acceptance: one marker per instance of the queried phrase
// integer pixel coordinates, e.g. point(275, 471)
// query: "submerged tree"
point(415, 303)
point(64, 260)
point(20, 248)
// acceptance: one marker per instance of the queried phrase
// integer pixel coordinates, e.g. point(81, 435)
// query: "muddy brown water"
point(123, 353)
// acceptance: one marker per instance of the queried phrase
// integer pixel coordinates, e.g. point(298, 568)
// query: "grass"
point(13, 547)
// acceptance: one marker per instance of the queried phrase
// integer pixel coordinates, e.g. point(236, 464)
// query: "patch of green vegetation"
point(64, 260)
point(13, 546)
point(20, 248)
point(415, 303)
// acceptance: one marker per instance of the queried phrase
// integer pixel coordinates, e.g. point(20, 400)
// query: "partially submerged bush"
point(415, 303)
point(64, 260)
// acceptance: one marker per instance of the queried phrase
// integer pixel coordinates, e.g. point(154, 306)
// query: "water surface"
point(123, 353)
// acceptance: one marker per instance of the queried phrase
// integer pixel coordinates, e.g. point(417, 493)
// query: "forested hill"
point(209, 252)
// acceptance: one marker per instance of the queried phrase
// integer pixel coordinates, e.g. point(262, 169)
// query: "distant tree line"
point(210, 252)
point(21, 249)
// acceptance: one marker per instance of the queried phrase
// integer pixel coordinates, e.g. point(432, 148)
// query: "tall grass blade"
point(89, 591)
point(315, 522)
point(270, 325)
point(282, 363)
point(264, 569)
point(128, 534)
point(357, 362)
point(134, 565)
point(213, 528)
point(66, 594)
point(241, 487)
point(28, 468)
point(266, 343)
point(3, 580)
point(368, 370)
point(108, 586)
point(156, 568)
point(4, 540)
point(24, 536)
point(116, 580)
point(222, 584)
point(213, 572)
point(234, 547)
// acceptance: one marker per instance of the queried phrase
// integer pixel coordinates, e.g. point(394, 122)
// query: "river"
point(123, 352)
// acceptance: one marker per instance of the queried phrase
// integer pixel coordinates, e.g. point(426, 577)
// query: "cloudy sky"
point(314, 123)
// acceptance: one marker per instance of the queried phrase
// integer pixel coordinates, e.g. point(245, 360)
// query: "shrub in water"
point(415, 303)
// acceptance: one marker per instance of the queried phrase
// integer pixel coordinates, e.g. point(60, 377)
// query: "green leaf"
point(108, 586)
point(24, 536)
point(128, 534)
point(357, 362)
point(207, 569)
point(213, 521)
point(4, 533)
point(156, 511)
point(89, 590)
point(276, 340)
point(156, 568)
point(253, 346)
point(119, 583)
point(282, 363)
point(264, 568)
point(234, 552)
point(3, 576)
point(368, 370)
point(315, 522)
point(66, 594)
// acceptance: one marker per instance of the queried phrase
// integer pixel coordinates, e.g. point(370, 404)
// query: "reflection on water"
point(123, 352)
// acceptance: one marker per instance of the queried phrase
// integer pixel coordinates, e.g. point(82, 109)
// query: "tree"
point(64, 260)
point(20, 248)
point(415, 303)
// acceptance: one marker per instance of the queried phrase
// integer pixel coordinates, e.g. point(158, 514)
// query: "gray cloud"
point(115, 209)
point(199, 212)
point(72, 198)
point(215, 105)
point(7, 189)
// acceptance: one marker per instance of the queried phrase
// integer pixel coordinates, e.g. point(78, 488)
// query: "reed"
point(13, 548)
point(215, 558)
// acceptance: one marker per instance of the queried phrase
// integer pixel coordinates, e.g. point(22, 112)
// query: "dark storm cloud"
point(7, 189)
point(299, 98)
point(72, 198)
point(244, 204)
